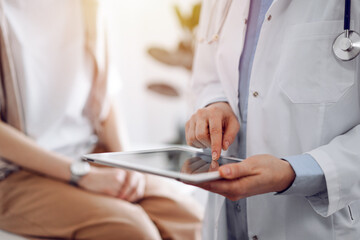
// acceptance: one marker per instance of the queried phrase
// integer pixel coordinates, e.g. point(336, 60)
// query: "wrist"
point(288, 177)
point(78, 170)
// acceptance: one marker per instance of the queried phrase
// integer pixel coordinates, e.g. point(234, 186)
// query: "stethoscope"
point(347, 45)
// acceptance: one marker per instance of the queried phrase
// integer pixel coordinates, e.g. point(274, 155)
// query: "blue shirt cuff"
point(310, 178)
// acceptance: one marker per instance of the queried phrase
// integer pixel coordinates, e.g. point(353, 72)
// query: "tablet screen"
point(174, 160)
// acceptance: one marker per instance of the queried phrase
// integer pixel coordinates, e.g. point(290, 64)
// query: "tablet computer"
point(181, 163)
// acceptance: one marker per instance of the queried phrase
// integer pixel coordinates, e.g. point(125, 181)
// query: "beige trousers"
point(39, 207)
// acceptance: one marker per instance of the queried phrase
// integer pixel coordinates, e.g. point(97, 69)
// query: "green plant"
point(184, 54)
point(189, 22)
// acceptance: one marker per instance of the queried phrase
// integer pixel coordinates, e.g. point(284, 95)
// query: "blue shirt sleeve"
point(310, 178)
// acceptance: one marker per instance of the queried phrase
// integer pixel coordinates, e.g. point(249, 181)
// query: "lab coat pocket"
point(354, 211)
point(308, 71)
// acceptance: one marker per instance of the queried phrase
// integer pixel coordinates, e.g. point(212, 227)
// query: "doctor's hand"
point(214, 126)
point(119, 183)
point(255, 175)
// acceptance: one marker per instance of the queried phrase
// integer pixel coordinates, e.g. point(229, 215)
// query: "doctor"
point(267, 68)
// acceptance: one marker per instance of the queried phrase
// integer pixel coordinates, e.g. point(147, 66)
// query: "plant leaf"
point(181, 18)
point(195, 16)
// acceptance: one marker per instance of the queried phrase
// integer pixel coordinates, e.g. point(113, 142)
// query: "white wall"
point(134, 25)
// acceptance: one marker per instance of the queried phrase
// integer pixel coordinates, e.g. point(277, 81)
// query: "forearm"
point(23, 151)
point(109, 135)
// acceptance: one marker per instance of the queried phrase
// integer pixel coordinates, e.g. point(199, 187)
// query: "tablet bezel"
point(105, 159)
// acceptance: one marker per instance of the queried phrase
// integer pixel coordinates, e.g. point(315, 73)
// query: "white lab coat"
point(307, 102)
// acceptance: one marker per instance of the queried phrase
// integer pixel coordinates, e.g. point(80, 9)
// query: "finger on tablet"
point(215, 129)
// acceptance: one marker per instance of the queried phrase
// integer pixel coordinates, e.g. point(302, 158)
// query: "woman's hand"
point(119, 183)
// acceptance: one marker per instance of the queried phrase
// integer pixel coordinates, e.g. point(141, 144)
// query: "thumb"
point(234, 170)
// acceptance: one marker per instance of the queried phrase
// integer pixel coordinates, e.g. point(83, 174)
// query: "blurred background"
point(151, 45)
point(151, 51)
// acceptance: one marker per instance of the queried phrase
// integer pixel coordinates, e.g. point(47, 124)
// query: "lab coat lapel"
point(228, 58)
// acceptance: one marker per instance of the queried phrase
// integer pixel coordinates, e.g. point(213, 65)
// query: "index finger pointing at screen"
point(215, 130)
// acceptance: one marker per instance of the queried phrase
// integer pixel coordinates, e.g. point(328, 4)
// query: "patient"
point(55, 107)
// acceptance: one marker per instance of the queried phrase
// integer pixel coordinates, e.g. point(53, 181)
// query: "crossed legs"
point(38, 207)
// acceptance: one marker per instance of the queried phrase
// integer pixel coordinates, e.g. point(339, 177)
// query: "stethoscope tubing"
point(347, 15)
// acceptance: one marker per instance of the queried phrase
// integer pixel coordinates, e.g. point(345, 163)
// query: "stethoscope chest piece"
point(347, 45)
